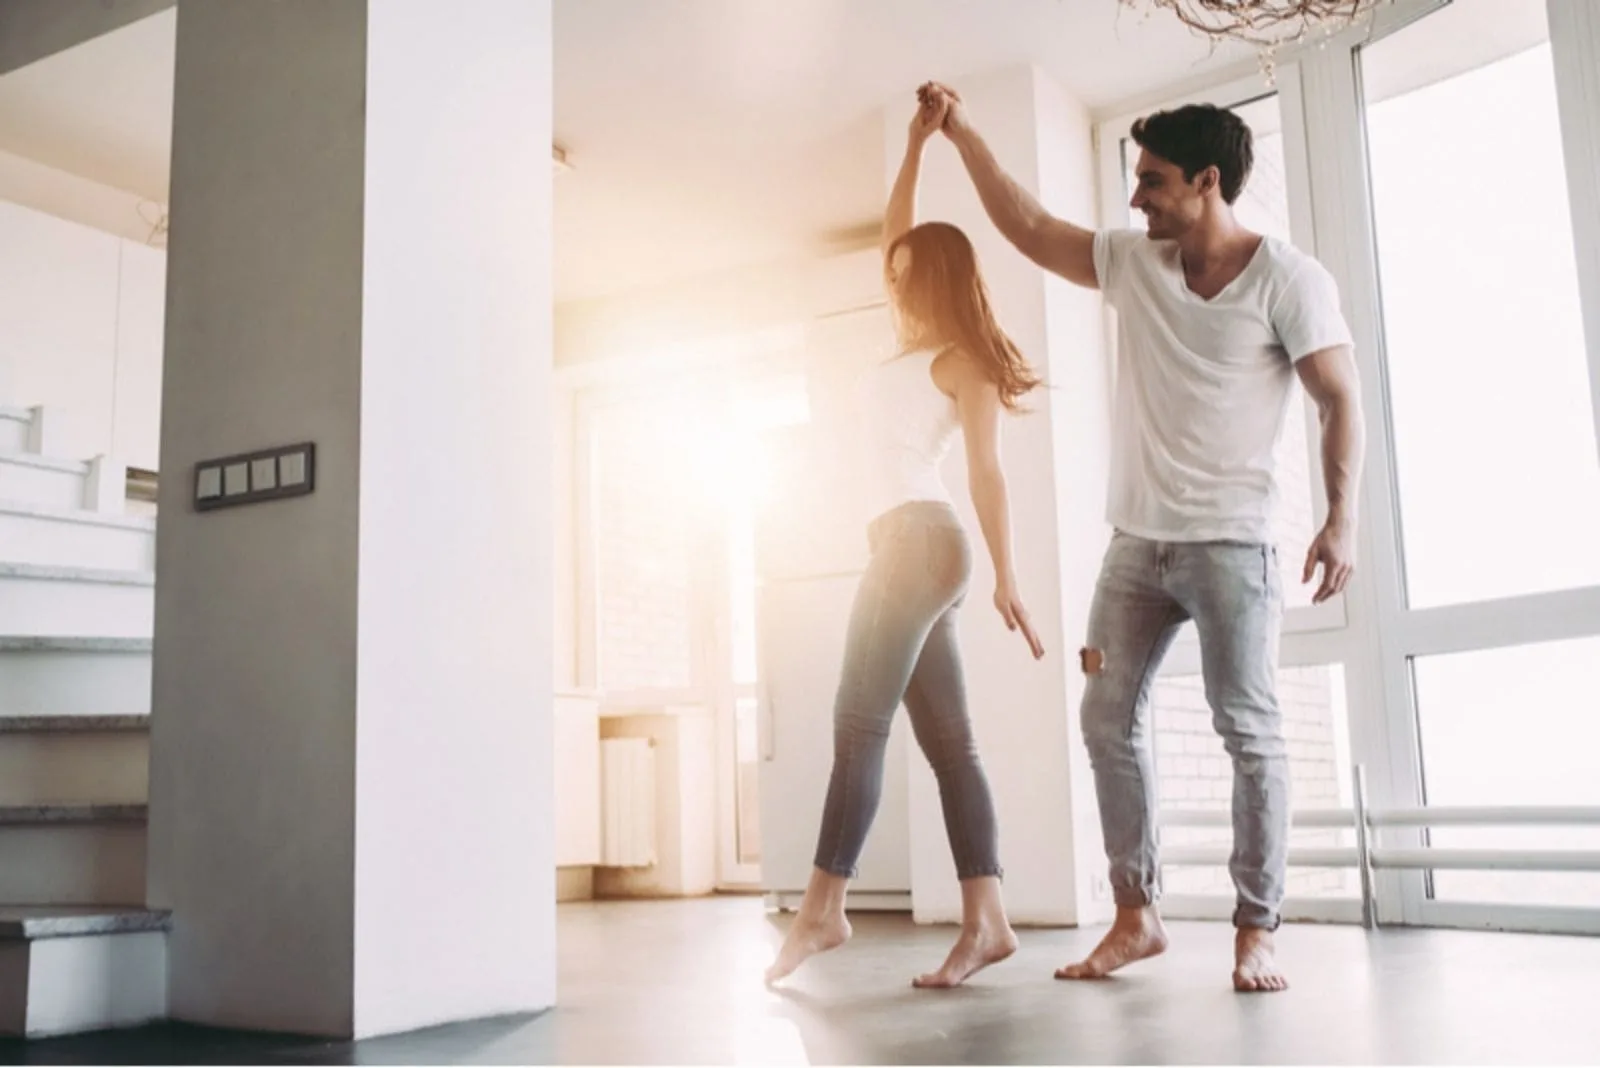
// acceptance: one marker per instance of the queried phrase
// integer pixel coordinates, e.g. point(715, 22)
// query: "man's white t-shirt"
point(1203, 386)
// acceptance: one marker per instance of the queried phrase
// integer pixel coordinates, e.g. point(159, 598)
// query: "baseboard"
point(574, 884)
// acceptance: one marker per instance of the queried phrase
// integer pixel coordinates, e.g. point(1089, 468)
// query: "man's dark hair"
point(1197, 136)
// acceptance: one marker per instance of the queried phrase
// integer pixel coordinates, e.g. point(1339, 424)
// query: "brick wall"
point(642, 539)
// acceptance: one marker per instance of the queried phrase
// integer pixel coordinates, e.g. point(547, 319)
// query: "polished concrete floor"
point(680, 983)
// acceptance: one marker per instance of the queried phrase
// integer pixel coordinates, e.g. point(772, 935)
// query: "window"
point(1499, 493)
point(1514, 726)
point(643, 530)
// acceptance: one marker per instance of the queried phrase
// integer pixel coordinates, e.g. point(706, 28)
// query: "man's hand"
point(954, 111)
point(1334, 549)
point(1016, 616)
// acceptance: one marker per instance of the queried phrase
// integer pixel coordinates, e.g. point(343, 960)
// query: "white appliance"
point(811, 548)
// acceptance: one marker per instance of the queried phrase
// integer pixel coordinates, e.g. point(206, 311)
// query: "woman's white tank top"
point(909, 424)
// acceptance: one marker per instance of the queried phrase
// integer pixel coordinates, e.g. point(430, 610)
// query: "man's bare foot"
point(1135, 935)
point(806, 938)
point(1255, 971)
point(974, 951)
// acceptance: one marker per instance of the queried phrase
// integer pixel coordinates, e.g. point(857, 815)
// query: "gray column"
point(351, 814)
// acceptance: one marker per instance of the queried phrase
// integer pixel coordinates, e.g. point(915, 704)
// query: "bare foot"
point(1254, 969)
point(806, 938)
point(1137, 934)
point(974, 951)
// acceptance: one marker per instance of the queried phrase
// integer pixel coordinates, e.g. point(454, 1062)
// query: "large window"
point(1483, 332)
point(1495, 490)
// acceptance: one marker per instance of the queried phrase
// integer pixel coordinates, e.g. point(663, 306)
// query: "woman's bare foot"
point(806, 938)
point(974, 951)
point(1255, 971)
point(1135, 935)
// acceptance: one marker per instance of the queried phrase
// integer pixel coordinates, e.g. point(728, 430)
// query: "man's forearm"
point(1343, 452)
point(1013, 210)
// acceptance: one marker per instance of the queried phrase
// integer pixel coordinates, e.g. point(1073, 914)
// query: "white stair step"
point(72, 601)
point(68, 970)
point(38, 534)
point(46, 760)
point(72, 854)
point(16, 425)
point(42, 480)
point(74, 676)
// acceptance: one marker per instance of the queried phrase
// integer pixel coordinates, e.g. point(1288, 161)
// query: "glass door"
point(1493, 495)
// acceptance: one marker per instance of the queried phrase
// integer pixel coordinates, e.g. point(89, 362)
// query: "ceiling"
point(705, 134)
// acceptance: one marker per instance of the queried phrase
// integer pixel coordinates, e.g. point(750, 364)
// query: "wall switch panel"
point(267, 475)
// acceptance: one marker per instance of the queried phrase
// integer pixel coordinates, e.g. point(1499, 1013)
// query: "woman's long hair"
point(944, 296)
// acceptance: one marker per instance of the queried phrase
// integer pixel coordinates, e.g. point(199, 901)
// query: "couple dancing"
point(1214, 323)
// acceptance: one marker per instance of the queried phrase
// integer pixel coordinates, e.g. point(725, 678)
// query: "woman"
point(956, 372)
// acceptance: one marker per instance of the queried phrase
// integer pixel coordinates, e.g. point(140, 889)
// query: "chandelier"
point(1268, 25)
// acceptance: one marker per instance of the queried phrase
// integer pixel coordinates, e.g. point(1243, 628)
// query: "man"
point(1213, 323)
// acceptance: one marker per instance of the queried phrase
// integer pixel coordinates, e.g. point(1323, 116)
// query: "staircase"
point(78, 951)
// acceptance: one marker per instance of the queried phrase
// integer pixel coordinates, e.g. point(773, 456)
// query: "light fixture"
point(1268, 25)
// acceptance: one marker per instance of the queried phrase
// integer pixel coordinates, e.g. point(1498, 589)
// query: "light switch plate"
point(269, 474)
point(208, 483)
point(291, 469)
point(264, 474)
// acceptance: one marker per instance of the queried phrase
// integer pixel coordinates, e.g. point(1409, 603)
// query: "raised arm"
point(1054, 244)
point(901, 214)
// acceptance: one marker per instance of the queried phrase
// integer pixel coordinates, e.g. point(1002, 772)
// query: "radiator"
point(627, 803)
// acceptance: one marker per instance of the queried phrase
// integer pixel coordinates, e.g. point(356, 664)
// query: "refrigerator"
point(811, 549)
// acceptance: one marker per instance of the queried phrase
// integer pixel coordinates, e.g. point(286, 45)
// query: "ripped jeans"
point(1234, 595)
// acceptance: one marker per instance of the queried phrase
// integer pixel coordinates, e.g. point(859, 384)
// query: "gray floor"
point(679, 982)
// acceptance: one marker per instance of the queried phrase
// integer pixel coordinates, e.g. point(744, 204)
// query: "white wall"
point(81, 321)
point(1079, 360)
point(453, 762)
point(1023, 711)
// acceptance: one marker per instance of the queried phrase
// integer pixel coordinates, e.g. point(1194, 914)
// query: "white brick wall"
point(643, 530)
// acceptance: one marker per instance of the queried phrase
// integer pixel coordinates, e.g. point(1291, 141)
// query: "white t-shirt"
point(1203, 387)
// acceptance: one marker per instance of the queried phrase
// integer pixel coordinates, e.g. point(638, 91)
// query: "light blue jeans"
point(902, 646)
point(1233, 594)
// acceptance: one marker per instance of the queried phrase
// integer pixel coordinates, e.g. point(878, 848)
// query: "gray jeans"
point(902, 646)
point(1233, 593)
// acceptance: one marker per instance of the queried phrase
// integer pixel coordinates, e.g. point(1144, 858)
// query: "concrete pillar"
point(350, 778)
point(1026, 712)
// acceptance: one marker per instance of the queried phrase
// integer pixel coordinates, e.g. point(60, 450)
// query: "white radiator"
point(627, 803)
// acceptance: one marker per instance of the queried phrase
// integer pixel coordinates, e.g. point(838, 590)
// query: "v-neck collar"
point(1183, 277)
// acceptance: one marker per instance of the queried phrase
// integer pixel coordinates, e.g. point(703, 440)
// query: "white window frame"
point(1374, 634)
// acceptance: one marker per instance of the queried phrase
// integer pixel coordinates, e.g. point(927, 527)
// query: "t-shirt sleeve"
point(1307, 317)
point(1111, 251)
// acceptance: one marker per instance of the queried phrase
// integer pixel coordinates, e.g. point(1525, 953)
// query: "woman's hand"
point(929, 118)
point(1009, 604)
